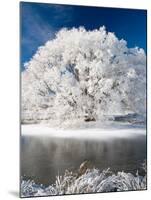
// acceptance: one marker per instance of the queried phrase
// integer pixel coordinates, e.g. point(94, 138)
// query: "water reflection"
point(43, 158)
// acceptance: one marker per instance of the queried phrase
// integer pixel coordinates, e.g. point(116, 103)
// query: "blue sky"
point(40, 22)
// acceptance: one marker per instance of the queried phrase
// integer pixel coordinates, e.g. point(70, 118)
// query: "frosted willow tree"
point(84, 75)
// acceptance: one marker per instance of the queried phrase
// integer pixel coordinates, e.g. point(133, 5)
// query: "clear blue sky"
point(40, 22)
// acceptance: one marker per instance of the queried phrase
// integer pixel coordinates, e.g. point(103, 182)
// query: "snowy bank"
point(110, 131)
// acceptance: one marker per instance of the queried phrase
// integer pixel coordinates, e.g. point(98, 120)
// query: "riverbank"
point(92, 181)
point(103, 131)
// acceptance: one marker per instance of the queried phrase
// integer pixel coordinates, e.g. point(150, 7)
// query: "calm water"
point(42, 158)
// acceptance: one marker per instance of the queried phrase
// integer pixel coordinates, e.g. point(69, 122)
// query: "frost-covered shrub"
point(30, 188)
point(92, 181)
point(83, 75)
point(95, 181)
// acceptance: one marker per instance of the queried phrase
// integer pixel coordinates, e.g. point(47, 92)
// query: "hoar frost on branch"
point(84, 75)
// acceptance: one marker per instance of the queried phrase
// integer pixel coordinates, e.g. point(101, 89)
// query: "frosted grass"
point(92, 181)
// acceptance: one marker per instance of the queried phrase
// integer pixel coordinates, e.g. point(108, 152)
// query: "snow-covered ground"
point(103, 132)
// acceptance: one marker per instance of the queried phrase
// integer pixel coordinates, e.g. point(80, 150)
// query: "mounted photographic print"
point(83, 99)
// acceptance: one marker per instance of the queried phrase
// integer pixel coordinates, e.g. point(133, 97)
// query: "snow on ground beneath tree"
point(90, 130)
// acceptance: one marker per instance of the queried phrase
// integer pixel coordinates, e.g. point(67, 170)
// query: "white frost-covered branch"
point(83, 75)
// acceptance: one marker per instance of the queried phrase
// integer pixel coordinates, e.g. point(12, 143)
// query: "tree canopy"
point(84, 75)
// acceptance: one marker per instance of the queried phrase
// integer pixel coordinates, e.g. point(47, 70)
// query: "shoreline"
point(87, 133)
